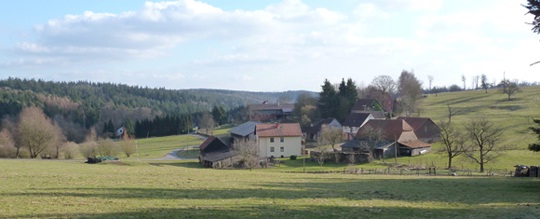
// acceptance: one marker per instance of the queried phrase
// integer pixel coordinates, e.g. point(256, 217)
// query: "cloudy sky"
point(265, 45)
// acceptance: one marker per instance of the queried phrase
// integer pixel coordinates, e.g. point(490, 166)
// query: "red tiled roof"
point(278, 130)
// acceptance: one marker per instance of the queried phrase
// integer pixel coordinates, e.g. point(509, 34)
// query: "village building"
point(279, 139)
point(353, 122)
point(270, 112)
point(389, 138)
point(216, 153)
point(314, 132)
point(425, 129)
point(243, 132)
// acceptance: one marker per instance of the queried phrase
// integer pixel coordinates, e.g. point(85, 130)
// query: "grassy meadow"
point(181, 189)
point(151, 188)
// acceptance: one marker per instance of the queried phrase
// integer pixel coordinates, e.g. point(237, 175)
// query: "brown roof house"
point(314, 132)
point(424, 128)
point(215, 153)
point(384, 135)
point(270, 112)
point(279, 139)
point(354, 121)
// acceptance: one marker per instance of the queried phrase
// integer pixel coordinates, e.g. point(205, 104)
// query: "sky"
point(266, 45)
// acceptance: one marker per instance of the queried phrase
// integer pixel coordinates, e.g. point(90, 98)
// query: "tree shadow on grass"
point(475, 191)
point(272, 210)
point(186, 164)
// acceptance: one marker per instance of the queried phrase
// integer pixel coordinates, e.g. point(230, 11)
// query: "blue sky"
point(265, 45)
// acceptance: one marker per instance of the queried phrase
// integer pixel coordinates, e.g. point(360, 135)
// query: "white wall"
point(291, 146)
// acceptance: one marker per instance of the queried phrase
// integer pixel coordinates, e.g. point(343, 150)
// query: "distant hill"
point(515, 115)
point(88, 104)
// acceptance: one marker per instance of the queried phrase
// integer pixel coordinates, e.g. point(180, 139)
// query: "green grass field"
point(151, 188)
point(167, 189)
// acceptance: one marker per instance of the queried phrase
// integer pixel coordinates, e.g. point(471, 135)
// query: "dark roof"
point(213, 144)
point(318, 126)
point(366, 105)
point(415, 144)
point(355, 119)
point(416, 122)
point(282, 107)
point(244, 129)
point(391, 129)
point(212, 157)
point(278, 130)
point(353, 144)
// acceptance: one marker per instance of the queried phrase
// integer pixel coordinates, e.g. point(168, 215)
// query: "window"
point(271, 140)
point(271, 149)
point(282, 139)
point(282, 149)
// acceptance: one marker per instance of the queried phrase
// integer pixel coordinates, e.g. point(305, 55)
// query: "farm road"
point(173, 155)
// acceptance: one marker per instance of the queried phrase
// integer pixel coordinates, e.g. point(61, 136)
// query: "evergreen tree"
point(328, 100)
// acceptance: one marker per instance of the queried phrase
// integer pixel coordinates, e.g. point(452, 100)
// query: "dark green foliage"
point(347, 98)
point(534, 8)
point(85, 104)
point(536, 129)
point(219, 115)
point(337, 104)
point(328, 100)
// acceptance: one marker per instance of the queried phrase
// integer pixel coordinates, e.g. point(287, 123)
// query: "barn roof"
point(390, 129)
point(416, 122)
point(356, 119)
point(244, 129)
point(278, 130)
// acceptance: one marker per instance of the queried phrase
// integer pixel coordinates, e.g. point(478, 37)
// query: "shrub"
point(88, 149)
point(107, 148)
point(293, 157)
point(7, 151)
point(69, 150)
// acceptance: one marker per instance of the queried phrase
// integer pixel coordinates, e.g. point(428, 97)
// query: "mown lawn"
point(166, 189)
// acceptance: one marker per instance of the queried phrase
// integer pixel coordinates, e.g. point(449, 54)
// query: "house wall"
point(291, 146)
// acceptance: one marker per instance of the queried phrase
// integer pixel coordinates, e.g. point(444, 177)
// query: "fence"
point(430, 171)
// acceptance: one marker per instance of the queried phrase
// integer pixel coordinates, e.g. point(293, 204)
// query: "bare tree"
point(88, 149)
point(430, 79)
point(509, 88)
point(453, 141)
point(464, 80)
point(484, 141)
point(248, 153)
point(374, 136)
point(36, 132)
point(410, 91)
point(384, 83)
point(475, 81)
point(106, 147)
point(207, 123)
point(7, 145)
point(484, 82)
point(69, 150)
point(127, 145)
point(331, 136)
point(452, 111)
point(320, 156)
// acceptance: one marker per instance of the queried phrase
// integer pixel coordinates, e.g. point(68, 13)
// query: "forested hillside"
point(78, 106)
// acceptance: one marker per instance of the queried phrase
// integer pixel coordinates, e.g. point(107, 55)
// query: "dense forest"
point(79, 106)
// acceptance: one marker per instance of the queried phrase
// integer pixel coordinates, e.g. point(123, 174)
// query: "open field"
point(166, 189)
